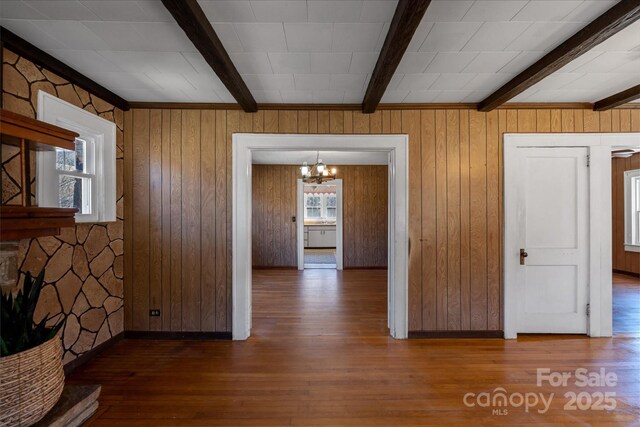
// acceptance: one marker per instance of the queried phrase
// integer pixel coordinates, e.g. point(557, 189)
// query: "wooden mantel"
point(26, 221)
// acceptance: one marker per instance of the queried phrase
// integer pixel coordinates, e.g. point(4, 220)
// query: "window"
point(331, 205)
point(632, 210)
point(313, 206)
point(320, 206)
point(83, 178)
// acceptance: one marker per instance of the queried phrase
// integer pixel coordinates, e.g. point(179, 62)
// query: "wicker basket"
point(30, 383)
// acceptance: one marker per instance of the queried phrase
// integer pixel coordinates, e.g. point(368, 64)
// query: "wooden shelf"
point(25, 221)
point(41, 136)
point(21, 222)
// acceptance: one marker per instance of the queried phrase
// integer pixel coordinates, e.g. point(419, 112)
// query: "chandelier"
point(317, 173)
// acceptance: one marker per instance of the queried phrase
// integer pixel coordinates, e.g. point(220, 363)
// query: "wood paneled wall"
point(273, 204)
point(178, 194)
point(365, 198)
point(623, 261)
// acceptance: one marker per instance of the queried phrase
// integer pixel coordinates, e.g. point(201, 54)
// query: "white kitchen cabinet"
point(320, 236)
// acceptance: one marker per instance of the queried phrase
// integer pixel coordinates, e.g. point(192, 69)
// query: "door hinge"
point(588, 160)
point(588, 309)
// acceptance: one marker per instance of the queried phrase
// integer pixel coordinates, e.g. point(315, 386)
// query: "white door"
point(550, 254)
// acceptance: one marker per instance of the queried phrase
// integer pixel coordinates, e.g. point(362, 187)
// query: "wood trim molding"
point(456, 334)
point(406, 19)
point(620, 16)
point(195, 24)
point(25, 49)
point(85, 357)
point(357, 107)
point(158, 335)
point(617, 99)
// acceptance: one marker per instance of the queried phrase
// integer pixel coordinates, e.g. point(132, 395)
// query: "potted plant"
point(31, 371)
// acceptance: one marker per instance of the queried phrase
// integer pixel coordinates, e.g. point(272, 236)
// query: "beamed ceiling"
point(317, 51)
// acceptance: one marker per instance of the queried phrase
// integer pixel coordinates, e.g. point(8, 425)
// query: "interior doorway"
point(625, 203)
point(394, 147)
point(320, 225)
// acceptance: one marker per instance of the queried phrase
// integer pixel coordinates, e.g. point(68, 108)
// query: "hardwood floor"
point(320, 355)
point(626, 306)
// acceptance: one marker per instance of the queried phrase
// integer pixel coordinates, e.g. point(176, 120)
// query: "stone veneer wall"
point(84, 265)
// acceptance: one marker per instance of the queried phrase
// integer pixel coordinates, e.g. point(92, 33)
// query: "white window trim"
point(631, 227)
point(103, 132)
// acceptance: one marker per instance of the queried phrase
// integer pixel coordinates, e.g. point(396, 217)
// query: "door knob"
point(523, 255)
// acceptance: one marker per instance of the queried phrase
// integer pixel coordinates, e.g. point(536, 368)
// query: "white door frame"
point(398, 248)
point(300, 222)
point(600, 228)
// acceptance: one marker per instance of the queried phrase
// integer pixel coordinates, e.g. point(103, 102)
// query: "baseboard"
point(274, 267)
point(85, 357)
point(456, 334)
point(365, 268)
point(160, 335)
point(626, 273)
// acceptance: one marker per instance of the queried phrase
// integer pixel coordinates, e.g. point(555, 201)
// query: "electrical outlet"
point(293, 219)
point(154, 313)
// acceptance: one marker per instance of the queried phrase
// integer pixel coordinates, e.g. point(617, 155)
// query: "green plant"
point(18, 332)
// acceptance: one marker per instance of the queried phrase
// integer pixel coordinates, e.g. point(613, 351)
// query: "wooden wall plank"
point(568, 121)
point(140, 195)
point(453, 220)
point(233, 126)
point(441, 219)
point(591, 121)
point(478, 226)
point(176, 220)
point(155, 216)
point(208, 218)
point(166, 220)
point(429, 231)
point(324, 122)
point(360, 122)
point(303, 121)
point(556, 121)
point(543, 120)
point(493, 220)
point(527, 121)
point(410, 122)
point(336, 122)
point(465, 218)
point(287, 121)
point(128, 221)
point(191, 244)
point(221, 219)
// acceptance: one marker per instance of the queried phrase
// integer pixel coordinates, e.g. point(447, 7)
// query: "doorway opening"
point(625, 205)
point(394, 148)
point(320, 234)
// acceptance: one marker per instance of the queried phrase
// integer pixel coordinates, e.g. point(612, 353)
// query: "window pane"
point(75, 193)
point(313, 201)
point(331, 212)
point(331, 200)
point(313, 212)
point(67, 160)
point(80, 155)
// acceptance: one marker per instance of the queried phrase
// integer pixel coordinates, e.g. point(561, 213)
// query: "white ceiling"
point(330, 158)
point(316, 51)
